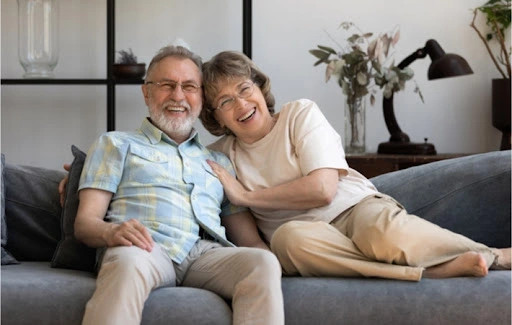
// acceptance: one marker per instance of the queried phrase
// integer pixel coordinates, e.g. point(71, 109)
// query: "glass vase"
point(38, 37)
point(355, 126)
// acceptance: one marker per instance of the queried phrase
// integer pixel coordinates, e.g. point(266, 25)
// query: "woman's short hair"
point(228, 66)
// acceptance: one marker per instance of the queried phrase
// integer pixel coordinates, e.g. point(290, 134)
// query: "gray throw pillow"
point(7, 258)
point(71, 253)
point(32, 211)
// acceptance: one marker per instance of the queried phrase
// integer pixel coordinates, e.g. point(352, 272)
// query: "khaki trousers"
point(374, 238)
point(250, 277)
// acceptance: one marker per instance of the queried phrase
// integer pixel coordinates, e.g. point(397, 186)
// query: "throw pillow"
point(70, 252)
point(7, 258)
point(32, 211)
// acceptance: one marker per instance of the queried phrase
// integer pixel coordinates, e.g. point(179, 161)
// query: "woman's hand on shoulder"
point(234, 190)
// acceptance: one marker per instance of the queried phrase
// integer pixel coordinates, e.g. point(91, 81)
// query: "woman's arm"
point(241, 230)
point(316, 189)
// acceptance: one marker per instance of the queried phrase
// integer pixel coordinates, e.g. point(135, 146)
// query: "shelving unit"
point(110, 81)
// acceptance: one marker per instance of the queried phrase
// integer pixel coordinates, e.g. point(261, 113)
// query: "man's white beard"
point(174, 128)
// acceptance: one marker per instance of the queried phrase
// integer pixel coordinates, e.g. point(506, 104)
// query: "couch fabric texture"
point(55, 278)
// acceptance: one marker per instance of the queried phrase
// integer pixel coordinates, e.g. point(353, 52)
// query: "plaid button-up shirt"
point(169, 188)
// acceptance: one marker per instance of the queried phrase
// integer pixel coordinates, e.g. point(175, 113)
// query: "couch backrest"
point(468, 195)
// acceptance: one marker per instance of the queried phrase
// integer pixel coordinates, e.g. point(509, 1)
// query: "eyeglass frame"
point(232, 98)
point(174, 84)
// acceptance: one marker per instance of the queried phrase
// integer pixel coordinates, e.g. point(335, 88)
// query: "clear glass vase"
point(355, 126)
point(38, 37)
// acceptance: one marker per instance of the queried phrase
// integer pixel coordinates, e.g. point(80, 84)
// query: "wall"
point(39, 123)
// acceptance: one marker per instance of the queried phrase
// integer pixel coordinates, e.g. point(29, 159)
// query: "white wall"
point(39, 123)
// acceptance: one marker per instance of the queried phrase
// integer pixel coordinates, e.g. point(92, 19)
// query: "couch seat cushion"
point(35, 293)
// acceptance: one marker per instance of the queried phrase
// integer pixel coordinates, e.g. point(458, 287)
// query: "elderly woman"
point(320, 217)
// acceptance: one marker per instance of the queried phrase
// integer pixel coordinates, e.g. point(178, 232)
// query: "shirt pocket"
point(146, 165)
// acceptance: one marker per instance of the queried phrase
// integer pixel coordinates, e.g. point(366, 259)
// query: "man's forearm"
point(92, 232)
point(90, 227)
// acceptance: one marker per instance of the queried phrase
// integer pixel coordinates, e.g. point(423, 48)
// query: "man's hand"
point(234, 190)
point(129, 233)
point(63, 184)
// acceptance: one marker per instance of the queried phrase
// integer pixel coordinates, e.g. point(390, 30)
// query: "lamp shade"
point(445, 65)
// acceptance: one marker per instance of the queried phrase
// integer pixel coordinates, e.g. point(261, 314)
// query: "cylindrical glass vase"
point(355, 125)
point(38, 37)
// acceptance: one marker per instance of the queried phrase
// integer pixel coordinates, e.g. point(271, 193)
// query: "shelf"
point(111, 81)
point(71, 81)
point(54, 81)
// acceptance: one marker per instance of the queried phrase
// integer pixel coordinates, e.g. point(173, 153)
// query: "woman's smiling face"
point(241, 107)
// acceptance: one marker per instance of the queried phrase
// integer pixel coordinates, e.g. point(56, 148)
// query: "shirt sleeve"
point(103, 167)
point(317, 144)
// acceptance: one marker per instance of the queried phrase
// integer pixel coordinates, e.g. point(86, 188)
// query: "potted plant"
point(497, 14)
point(126, 66)
point(360, 67)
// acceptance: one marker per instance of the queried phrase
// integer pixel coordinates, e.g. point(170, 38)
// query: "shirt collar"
point(156, 135)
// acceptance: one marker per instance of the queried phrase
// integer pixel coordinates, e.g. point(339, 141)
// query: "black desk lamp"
point(443, 66)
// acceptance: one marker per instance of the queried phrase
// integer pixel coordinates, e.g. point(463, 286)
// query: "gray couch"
point(469, 195)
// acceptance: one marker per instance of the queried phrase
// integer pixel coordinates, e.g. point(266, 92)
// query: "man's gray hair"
point(175, 51)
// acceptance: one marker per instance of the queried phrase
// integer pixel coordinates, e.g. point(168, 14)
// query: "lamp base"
point(406, 148)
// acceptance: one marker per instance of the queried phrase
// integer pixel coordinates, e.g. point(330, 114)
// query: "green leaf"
point(318, 62)
point(327, 49)
point(353, 38)
point(320, 54)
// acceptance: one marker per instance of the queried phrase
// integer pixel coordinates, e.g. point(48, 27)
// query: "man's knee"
point(263, 261)
point(126, 262)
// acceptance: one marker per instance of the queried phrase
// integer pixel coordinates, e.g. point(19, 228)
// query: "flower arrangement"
point(497, 13)
point(360, 65)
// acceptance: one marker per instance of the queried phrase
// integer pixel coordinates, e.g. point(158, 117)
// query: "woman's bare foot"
point(468, 264)
point(502, 261)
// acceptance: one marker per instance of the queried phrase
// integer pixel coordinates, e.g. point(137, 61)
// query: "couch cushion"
point(32, 211)
point(369, 301)
point(35, 293)
point(468, 195)
point(7, 258)
point(70, 252)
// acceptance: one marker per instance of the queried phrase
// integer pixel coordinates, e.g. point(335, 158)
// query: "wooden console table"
point(373, 164)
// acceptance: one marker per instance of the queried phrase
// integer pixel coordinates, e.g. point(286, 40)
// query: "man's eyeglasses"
point(244, 90)
point(170, 86)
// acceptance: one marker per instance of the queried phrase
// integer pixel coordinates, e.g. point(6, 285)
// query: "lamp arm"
point(387, 104)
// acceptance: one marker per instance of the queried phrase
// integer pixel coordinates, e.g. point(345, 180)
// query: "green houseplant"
point(497, 21)
point(361, 67)
point(127, 67)
point(497, 14)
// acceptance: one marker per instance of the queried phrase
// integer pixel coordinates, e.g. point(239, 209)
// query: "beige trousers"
point(375, 238)
point(250, 277)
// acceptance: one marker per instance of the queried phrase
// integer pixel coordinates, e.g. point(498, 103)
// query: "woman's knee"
point(289, 236)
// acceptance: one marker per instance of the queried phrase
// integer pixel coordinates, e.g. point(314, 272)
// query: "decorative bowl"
point(129, 71)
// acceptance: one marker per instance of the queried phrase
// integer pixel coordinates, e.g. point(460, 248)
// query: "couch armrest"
point(468, 195)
